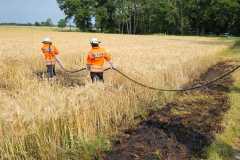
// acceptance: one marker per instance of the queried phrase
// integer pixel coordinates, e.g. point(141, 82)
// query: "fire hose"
point(198, 86)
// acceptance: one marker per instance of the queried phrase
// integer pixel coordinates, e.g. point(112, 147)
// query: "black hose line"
point(75, 71)
point(207, 83)
point(79, 70)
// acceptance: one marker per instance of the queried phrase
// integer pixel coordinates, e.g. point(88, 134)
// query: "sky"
point(24, 11)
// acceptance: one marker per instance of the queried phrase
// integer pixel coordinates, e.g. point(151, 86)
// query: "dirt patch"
point(65, 79)
point(182, 129)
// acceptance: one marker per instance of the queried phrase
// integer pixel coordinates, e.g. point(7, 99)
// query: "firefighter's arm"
point(108, 58)
point(57, 57)
point(89, 62)
point(59, 61)
point(56, 51)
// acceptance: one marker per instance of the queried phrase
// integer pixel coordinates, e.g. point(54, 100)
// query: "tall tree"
point(62, 23)
point(155, 16)
point(80, 10)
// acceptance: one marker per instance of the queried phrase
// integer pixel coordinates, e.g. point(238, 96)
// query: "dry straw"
point(42, 120)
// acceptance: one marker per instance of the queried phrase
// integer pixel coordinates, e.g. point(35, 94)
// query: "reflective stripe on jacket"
point(49, 51)
point(96, 58)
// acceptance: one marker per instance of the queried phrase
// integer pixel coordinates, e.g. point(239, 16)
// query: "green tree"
point(155, 16)
point(62, 23)
point(49, 22)
point(80, 10)
point(37, 24)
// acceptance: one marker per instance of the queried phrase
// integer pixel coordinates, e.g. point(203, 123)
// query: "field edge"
point(227, 145)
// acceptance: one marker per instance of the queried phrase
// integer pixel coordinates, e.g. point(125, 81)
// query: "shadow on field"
point(181, 129)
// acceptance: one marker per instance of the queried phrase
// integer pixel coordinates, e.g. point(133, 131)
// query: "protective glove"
point(88, 66)
point(111, 65)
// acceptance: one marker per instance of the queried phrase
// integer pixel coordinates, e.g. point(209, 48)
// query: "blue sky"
point(23, 11)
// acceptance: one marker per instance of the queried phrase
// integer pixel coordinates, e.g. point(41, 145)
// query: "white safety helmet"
point(95, 41)
point(47, 40)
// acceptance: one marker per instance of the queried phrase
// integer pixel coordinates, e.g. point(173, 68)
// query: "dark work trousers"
point(97, 76)
point(51, 71)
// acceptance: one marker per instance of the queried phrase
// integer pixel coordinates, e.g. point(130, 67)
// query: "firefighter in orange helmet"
point(96, 58)
point(50, 53)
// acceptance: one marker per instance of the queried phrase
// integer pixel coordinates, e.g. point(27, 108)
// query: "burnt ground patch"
point(181, 129)
point(65, 79)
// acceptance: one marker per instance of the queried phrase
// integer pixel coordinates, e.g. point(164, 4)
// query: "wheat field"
point(72, 118)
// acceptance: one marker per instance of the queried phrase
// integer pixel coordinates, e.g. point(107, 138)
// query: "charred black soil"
point(182, 129)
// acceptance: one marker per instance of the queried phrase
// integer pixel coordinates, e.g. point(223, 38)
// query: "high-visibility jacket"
point(96, 58)
point(49, 51)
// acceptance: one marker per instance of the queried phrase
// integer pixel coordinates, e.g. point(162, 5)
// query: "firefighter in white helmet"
point(96, 58)
point(51, 56)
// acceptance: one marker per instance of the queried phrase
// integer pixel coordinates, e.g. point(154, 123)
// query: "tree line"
point(155, 16)
point(48, 23)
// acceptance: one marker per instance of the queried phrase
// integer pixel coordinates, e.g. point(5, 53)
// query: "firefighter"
point(51, 54)
point(96, 58)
